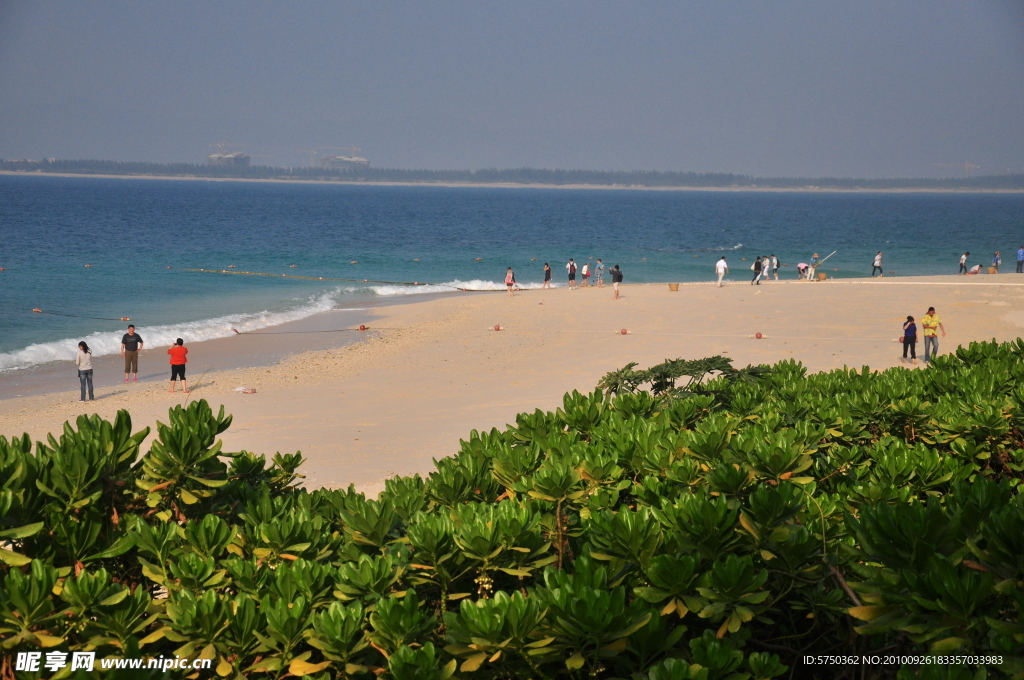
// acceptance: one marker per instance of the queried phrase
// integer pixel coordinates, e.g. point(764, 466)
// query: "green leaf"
point(575, 662)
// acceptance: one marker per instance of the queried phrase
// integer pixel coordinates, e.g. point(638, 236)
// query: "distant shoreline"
point(524, 185)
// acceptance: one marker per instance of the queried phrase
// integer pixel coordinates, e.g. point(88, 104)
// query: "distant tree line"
point(642, 178)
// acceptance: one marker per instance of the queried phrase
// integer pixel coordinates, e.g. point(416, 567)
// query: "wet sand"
point(407, 393)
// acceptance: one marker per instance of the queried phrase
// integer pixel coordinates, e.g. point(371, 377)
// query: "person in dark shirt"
point(616, 280)
point(131, 345)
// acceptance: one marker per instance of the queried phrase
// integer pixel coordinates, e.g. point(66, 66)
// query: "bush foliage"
point(721, 528)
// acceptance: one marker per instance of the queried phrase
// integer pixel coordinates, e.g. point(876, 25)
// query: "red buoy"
point(125, 318)
point(362, 327)
point(758, 336)
point(624, 331)
point(497, 328)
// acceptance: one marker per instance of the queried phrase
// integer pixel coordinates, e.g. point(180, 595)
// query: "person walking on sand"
point(909, 340)
point(599, 273)
point(775, 267)
point(571, 268)
point(877, 265)
point(757, 271)
point(547, 276)
point(510, 280)
point(131, 345)
point(179, 358)
point(84, 363)
point(996, 261)
point(616, 280)
point(930, 322)
point(963, 262)
point(1020, 260)
point(721, 268)
point(586, 274)
point(765, 268)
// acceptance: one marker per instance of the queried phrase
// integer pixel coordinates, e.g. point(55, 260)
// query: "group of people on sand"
point(931, 325)
point(131, 347)
point(997, 260)
point(586, 272)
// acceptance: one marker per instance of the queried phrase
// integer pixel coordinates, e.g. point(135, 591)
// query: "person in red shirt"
point(179, 358)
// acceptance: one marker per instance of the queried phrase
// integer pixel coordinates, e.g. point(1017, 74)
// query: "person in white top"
point(877, 266)
point(722, 268)
point(570, 266)
point(84, 363)
point(963, 263)
point(775, 267)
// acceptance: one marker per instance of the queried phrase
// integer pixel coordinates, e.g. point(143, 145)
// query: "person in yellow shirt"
point(931, 322)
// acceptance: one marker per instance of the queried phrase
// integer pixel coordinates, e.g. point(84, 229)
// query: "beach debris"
point(758, 336)
point(237, 332)
point(362, 327)
point(497, 328)
point(245, 390)
point(624, 332)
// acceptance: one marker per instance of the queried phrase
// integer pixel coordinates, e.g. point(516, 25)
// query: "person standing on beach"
point(616, 280)
point(510, 280)
point(131, 345)
point(571, 267)
point(721, 268)
point(930, 322)
point(909, 340)
point(877, 265)
point(996, 261)
point(547, 276)
point(812, 268)
point(757, 271)
point(179, 358)
point(765, 268)
point(963, 262)
point(1020, 260)
point(84, 363)
point(775, 267)
point(586, 274)
point(599, 273)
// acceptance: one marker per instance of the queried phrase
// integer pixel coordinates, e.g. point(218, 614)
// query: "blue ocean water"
point(139, 235)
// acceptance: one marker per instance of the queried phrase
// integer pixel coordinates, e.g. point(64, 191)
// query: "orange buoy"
point(88, 265)
point(231, 266)
point(758, 336)
point(497, 328)
point(478, 259)
point(125, 318)
point(37, 310)
point(415, 259)
point(168, 267)
point(362, 327)
point(354, 262)
point(294, 266)
point(624, 331)
point(2, 269)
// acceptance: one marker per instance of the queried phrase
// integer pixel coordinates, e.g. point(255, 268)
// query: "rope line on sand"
point(80, 316)
point(333, 330)
point(328, 278)
point(697, 335)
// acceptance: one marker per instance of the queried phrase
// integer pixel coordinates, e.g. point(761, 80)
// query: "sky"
point(862, 88)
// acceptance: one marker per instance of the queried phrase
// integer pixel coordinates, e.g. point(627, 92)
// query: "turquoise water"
point(139, 235)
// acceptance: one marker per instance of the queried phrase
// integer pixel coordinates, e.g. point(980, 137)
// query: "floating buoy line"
point(80, 316)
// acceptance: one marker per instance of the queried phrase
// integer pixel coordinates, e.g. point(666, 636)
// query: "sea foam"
point(106, 342)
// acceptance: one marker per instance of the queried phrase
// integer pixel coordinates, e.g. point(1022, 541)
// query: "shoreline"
point(512, 185)
point(393, 402)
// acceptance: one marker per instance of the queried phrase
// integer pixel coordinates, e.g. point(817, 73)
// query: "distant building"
point(344, 162)
point(236, 159)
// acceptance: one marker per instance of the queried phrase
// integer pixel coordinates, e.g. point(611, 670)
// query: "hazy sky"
point(769, 87)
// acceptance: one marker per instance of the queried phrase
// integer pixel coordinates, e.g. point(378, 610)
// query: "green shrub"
point(721, 523)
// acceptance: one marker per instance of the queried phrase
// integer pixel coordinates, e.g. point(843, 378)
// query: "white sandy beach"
point(389, 405)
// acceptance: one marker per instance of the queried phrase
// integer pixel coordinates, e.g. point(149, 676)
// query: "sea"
point(86, 252)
